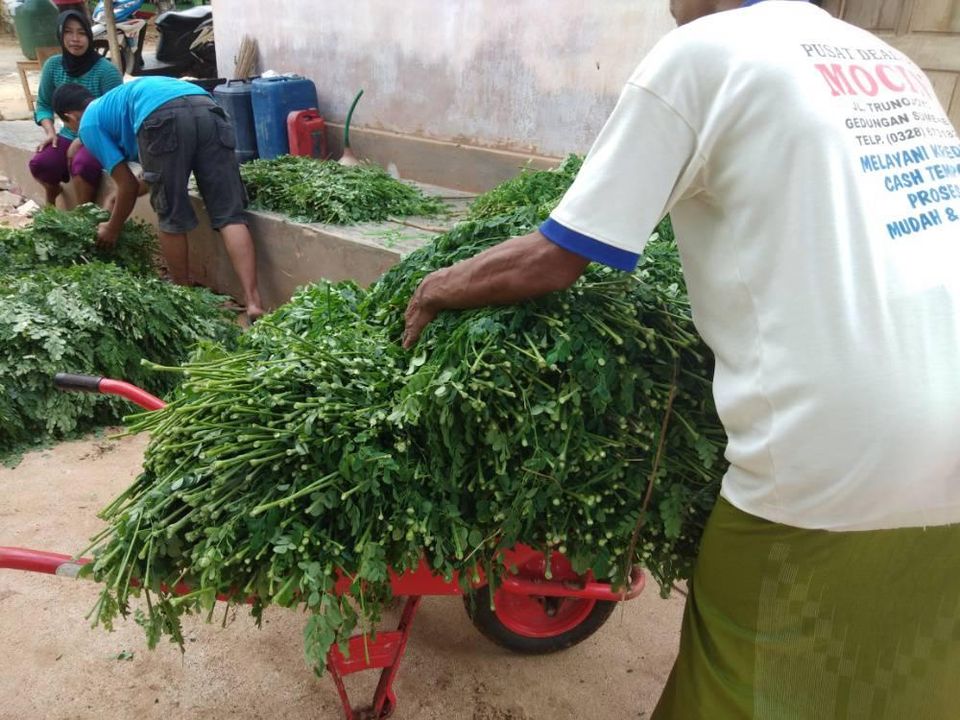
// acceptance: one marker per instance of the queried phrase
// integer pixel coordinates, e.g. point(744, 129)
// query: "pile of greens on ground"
point(319, 445)
point(56, 238)
point(67, 307)
point(324, 191)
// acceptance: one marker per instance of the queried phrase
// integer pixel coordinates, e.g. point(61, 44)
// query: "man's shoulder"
point(741, 28)
point(110, 98)
point(710, 35)
point(100, 111)
point(731, 37)
point(161, 84)
point(689, 50)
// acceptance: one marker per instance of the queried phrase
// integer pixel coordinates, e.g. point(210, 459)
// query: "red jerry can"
point(307, 132)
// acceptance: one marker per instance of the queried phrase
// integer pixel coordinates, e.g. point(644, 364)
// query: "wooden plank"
point(954, 110)
point(936, 16)
point(903, 25)
point(929, 51)
point(876, 15)
point(23, 66)
point(945, 85)
point(834, 7)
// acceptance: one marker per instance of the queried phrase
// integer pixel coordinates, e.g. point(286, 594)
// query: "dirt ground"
point(13, 105)
point(56, 667)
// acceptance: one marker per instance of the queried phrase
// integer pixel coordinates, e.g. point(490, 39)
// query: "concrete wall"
point(527, 76)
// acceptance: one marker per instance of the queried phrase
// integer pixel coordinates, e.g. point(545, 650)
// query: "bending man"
point(173, 128)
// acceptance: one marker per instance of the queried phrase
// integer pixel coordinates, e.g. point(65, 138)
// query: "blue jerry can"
point(234, 97)
point(273, 99)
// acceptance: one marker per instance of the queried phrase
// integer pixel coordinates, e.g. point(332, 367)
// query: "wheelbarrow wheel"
point(533, 625)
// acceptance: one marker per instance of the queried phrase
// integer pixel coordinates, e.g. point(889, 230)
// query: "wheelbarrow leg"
point(384, 653)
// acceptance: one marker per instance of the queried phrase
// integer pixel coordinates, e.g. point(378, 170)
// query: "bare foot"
point(254, 313)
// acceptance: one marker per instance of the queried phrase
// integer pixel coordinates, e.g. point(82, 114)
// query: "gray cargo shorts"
point(191, 134)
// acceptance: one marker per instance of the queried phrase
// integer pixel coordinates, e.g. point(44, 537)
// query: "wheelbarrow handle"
point(106, 386)
point(40, 561)
point(77, 383)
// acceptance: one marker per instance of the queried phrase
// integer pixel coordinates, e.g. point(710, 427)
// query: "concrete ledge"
point(292, 254)
point(18, 142)
point(447, 164)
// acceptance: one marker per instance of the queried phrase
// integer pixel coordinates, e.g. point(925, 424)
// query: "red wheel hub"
point(538, 616)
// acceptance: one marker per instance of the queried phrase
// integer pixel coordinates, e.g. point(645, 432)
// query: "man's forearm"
point(516, 270)
point(519, 269)
point(127, 191)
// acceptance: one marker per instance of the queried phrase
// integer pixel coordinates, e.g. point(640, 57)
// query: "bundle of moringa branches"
point(319, 445)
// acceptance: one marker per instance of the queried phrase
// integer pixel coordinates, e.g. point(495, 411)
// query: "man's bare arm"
point(127, 190)
point(518, 269)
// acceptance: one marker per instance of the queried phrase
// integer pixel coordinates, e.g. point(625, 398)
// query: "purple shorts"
point(49, 166)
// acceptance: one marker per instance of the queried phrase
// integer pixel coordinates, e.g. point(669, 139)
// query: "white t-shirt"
point(814, 185)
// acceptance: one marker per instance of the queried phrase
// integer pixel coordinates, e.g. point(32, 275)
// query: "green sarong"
point(787, 624)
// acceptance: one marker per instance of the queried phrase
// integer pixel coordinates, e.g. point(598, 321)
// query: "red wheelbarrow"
point(531, 614)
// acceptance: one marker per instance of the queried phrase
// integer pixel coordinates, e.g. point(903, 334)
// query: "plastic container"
point(307, 132)
point(36, 24)
point(273, 99)
point(234, 97)
point(207, 84)
point(78, 5)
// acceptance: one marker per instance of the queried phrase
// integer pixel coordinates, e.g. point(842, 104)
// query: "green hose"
point(346, 127)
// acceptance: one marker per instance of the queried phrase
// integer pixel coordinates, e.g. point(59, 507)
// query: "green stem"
point(303, 491)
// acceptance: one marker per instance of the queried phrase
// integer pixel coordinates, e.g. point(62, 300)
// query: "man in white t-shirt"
point(813, 180)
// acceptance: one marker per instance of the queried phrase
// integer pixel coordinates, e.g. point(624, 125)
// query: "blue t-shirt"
point(110, 123)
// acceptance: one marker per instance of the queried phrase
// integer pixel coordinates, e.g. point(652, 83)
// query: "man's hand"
point(106, 236)
point(515, 270)
point(417, 316)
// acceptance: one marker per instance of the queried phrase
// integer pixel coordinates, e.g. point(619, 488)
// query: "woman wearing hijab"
point(61, 156)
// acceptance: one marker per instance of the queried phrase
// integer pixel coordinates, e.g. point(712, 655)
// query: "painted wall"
point(530, 76)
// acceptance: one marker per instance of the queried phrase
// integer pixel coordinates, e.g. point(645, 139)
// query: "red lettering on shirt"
point(864, 80)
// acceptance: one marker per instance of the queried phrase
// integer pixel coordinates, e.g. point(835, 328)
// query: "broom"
point(245, 63)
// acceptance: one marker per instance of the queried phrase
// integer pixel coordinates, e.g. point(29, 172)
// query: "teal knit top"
point(101, 77)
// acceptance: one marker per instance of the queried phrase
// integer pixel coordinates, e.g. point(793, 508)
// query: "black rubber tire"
point(489, 625)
